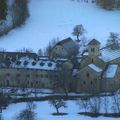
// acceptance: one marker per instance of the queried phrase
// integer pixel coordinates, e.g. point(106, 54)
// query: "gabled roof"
point(69, 45)
point(95, 67)
point(111, 71)
point(108, 54)
point(64, 41)
point(94, 42)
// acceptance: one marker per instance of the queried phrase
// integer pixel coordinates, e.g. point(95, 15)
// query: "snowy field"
point(44, 111)
point(56, 18)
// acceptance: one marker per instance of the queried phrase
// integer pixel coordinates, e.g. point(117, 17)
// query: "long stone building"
point(98, 69)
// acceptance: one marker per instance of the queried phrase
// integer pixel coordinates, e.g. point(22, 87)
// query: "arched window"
point(91, 82)
point(92, 49)
point(92, 60)
point(8, 83)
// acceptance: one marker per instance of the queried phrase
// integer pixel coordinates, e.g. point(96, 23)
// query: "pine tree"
point(20, 12)
point(113, 41)
point(106, 4)
point(3, 9)
point(118, 4)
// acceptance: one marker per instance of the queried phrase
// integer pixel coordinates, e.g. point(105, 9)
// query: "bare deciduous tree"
point(63, 79)
point(28, 113)
point(50, 46)
point(116, 102)
point(113, 41)
point(40, 52)
point(78, 31)
point(95, 104)
point(26, 50)
point(106, 104)
point(83, 104)
point(57, 104)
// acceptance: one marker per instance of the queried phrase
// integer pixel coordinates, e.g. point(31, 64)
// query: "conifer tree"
point(3, 9)
point(20, 12)
point(106, 4)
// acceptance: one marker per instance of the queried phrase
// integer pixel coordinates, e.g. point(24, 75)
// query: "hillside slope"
point(56, 18)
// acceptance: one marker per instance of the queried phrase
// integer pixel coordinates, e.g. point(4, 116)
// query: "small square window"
point(8, 74)
point(91, 82)
point(17, 75)
point(27, 75)
point(84, 82)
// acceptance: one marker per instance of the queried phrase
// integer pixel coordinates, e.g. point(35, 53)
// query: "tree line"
point(18, 13)
point(109, 4)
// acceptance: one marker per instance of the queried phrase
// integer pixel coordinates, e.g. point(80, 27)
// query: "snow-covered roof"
point(86, 54)
point(31, 64)
point(95, 68)
point(109, 54)
point(111, 71)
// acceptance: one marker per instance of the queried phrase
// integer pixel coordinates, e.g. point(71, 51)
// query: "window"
point(92, 49)
point(41, 76)
point(31, 84)
point(8, 74)
point(18, 82)
point(55, 76)
point(36, 82)
point(17, 69)
point(8, 83)
point(42, 85)
point(36, 75)
point(91, 82)
point(17, 75)
point(46, 76)
point(28, 82)
point(27, 75)
point(87, 74)
point(92, 60)
point(84, 82)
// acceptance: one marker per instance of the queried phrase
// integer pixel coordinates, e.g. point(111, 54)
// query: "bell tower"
point(94, 48)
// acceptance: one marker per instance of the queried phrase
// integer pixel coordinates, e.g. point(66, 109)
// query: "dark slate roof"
point(68, 44)
point(94, 42)
point(19, 54)
point(62, 42)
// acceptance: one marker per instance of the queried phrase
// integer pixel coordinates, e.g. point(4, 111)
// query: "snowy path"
point(56, 18)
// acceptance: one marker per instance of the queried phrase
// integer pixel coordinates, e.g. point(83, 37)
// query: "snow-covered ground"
point(56, 18)
point(44, 111)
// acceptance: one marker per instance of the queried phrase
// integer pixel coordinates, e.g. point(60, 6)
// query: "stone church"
point(99, 69)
